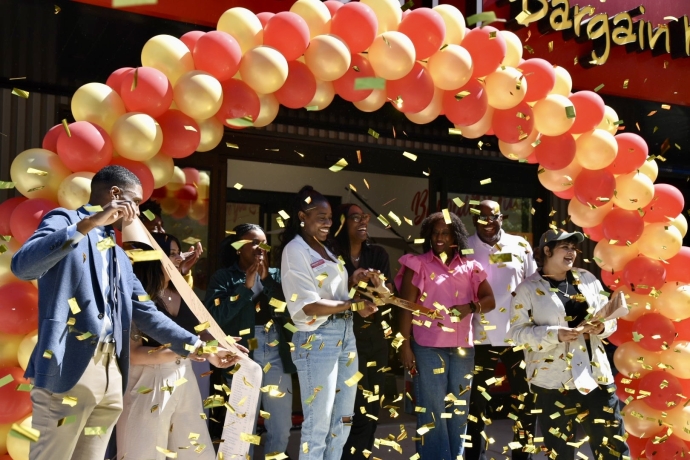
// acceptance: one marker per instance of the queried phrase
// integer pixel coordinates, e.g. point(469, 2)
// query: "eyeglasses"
point(357, 218)
point(491, 218)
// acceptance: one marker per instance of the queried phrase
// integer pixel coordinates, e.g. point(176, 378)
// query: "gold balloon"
point(324, 95)
point(596, 149)
point(660, 241)
point(561, 179)
point(633, 191)
point(328, 57)
point(203, 185)
point(264, 69)
point(613, 257)
point(75, 190)
point(609, 121)
point(681, 223)
point(513, 49)
point(479, 128)
point(177, 181)
point(521, 150)
point(26, 347)
point(451, 67)
point(198, 210)
point(455, 24)
point(584, 216)
point(505, 88)
point(679, 419)
point(387, 12)
point(564, 82)
point(4, 431)
point(9, 345)
point(18, 446)
point(98, 104)
point(45, 182)
point(431, 112)
point(650, 168)
point(198, 95)
point(674, 301)
point(6, 275)
point(169, 55)
point(550, 116)
point(169, 205)
point(678, 356)
point(268, 112)
point(392, 55)
point(641, 420)
point(638, 304)
point(161, 167)
point(315, 14)
point(244, 27)
point(137, 136)
point(628, 362)
point(373, 102)
point(211, 131)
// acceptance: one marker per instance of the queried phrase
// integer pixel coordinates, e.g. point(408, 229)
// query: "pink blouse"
point(442, 287)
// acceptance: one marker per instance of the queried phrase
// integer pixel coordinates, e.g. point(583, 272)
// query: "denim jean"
point(279, 423)
point(323, 431)
point(443, 441)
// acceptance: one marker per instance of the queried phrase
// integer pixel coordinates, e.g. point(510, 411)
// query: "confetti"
point(73, 306)
point(407, 5)
point(373, 133)
point(363, 83)
point(485, 18)
point(6, 185)
point(38, 172)
point(243, 122)
point(231, 145)
point(446, 216)
point(166, 452)
point(409, 155)
point(238, 186)
point(21, 93)
point(95, 430)
point(6, 379)
point(596, 90)
point(485, 181)
point(339, 165)
point(570, 111)
point(67, 420)
point(24, 432)
point(65, 125)
point(455, 131)
point(462, 94)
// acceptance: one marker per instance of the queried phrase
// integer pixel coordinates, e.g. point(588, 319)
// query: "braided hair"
point(228, 254)
point(303, 201)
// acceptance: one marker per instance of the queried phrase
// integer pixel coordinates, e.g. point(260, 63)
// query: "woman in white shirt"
point(315, 287)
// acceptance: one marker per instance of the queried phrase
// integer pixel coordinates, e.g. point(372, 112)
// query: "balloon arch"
point(427, 64)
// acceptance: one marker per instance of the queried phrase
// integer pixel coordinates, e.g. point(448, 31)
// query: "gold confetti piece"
point(339, 165)
point(144, 390)
point(364, 83)
point(245, 331)
point(243, 122)
point(373, 133)
point(71, 321)
point(455, 131)
point(67, 420)
point(84, 336)
point(38, 172)
point(409, 155)
point(407, 5)
point(100, 208)
point(191, 240)
point(139, 255)
point(485, 18)
point(290, 327)
point(354, 379)
point(21, 93)
point(384, 221)
point(596, 90)
point(446, 216)
point(65, 126)
point(95, 430)
point(36, 189)
point(665, 106)
point(48, 354)
point(466, 252)
point(394, 218)
point(353, 188)
point(24, 432)
point(485, 181)
point(24, 387)
point(166, 452)
point(570, 111)
point(529, 49)
point(190, 128)
point(462, 94)
point(73, 306)
point(238, 244)
point(202, 327)
point(105, 244)
point(238, 186)
point(551, 46)
point(231, 145)
point(6, 185)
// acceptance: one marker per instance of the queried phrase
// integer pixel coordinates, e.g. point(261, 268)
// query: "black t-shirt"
point(185, 319)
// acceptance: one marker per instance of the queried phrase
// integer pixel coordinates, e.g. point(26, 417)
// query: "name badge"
point(317, 263)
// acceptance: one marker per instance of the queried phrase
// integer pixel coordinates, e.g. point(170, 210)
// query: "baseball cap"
point(558, 235)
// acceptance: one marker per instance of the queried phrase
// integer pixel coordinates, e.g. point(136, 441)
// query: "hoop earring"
point(238, 252)
point(301, 224)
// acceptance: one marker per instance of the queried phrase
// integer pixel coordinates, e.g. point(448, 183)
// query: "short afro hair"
point(153, 206)
point(114, 176)
point(457, 228)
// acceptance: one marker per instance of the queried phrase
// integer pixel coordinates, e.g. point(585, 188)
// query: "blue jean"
point(279, 423)
point(443, 441)
point(323, 431)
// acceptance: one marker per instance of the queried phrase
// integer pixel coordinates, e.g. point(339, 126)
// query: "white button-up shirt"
point(507, 264)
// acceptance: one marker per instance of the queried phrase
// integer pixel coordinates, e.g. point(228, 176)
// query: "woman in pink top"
point(440, 353)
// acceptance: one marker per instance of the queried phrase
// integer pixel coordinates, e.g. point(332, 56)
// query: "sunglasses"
point(491, 218)
point(357, 218)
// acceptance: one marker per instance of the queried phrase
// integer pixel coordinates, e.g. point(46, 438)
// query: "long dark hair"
point(457, 227)
point(342, 239)
point(303, 201)
point(228, 254)
point(151, 273)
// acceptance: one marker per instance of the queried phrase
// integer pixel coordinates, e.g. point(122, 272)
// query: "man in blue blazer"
point(88, 297)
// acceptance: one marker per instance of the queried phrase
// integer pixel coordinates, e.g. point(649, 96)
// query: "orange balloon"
point(660, 241)
point(596, 149)
point(679, 419)
point(633, 191)
point(613, 257)
point(392, 55)
point(373, 102)
point(641, 420)
point(562, 179)
point(631, 359)
point(264, 69)
point(585, 216)
point(521, 150)
point(550, 115)
point(328, 57)
point(451, 67)
point(678, 356)
point(479, 128)
point(9, 346)
point(674, 301)
point(505, 87)
point(638, 304)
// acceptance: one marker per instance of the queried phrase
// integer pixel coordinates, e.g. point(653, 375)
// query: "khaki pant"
point(79, 431)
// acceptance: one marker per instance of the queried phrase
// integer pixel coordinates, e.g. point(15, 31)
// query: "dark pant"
point(371, 346)
point(485, 360)
point(597, 413)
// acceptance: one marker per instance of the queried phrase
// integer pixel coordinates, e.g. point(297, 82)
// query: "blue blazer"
point(65, 271)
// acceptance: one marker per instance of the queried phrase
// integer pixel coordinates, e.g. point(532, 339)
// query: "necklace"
point(356, 259)
point(557, 288)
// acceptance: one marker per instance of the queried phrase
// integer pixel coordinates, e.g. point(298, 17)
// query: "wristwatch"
point(473, 307)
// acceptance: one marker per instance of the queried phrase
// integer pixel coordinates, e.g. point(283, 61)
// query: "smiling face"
point(357, 224)
point(174, 255)
point(490, 231)
point(251, 253)
point(561, 258)
point(442, 238)
point(317, 220)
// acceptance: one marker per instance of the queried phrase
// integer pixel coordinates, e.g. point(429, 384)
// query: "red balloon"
point(589, 111)
point(217, 53)
point(556, 152)
point(15, 404)
point(264, 17)
point(187, 193)
point(345, 85)
point(567, 194)
point(667, 203)
point(6, 209)
point(678, 268)
point(594, 186)
point(356, 24)
point(642, 274)
point(426, 29)
point(141, 171)
point(540, 76)
point(239, 101)
point(632, 153)
point(18, 307)
point(152, 95)
point(89, 147)
point(623, 383)
point(191, 176)
point(683, 330)
point(51, 137)
point(332, 5)
point(637, 446)
point(487, 48)
point(657, 331)
point(594, 234)
point(182, 208)
point(623, 226)
point(288, 33)
point(624, 330)
point(190, 38)
point(511, 128)
point(26, 217)
point(115, 79)
point(469, 109)
point(664, 388)
point(416, 90)
point(299, 88)
point(178, 140)
point(672, 448)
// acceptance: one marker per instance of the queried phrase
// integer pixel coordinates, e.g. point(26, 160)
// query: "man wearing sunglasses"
point(507, 260)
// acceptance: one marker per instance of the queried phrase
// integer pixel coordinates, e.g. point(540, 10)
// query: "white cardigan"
point(536, 316)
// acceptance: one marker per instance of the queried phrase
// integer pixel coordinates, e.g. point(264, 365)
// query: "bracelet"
point(480, 307)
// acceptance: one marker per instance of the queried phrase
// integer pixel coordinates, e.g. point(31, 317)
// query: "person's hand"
point(375, 277)
point(406, 356)
point(224, 358)
point(465, 310)
point(111, 213)
point(360, 274)
point(251, 274)
point(568, 334)
point(370, 309)
point(263, 267)
point(190, 258)
point(594, 327)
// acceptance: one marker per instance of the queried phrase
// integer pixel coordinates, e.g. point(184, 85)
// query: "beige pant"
point(163, 418)
point(81, 432)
